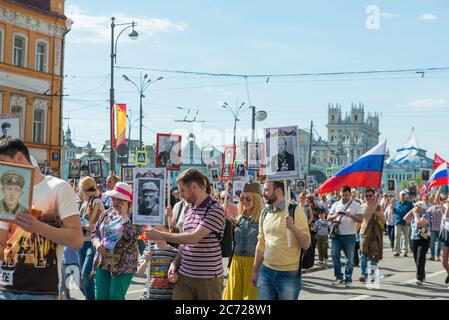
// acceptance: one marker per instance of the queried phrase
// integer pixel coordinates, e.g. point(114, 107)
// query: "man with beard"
point(201, 268)
point(276, 265)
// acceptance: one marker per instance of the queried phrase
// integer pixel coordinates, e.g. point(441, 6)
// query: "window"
point(41, 56)
point(38, 126)
point(20, 51)
point(333, 118)
point(18, 112)
point(355, 118)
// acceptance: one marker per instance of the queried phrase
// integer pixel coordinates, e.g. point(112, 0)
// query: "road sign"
point(141, 157)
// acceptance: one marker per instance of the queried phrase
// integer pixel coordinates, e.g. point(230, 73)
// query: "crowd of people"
point(88, 230)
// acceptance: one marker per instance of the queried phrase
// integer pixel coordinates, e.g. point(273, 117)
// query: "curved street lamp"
point(141, 87)
point(236, 113)
point(133, 36)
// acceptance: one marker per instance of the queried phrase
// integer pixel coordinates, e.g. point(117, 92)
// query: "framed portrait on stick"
point(128, 174)
point(10, 125)
point(95, 170)
point(281, 151)
point(168, 151)
point(75, 168)
point(149, 193)
point(16, 190)
point(227, 168)
point(254, 155)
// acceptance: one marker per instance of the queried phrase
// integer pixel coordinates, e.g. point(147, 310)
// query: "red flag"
point(437, 161)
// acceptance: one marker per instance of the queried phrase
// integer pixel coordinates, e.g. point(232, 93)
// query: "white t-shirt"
point(347, 225)
point(38, 271)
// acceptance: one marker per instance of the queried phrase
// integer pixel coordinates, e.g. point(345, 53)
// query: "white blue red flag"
point(365, 172)
point(438, 178)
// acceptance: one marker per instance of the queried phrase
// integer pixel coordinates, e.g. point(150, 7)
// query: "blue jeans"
point(86, 259)
point(347, 244)
point(69, 270)
point(390, 230)
point(8, 295)
point(364, 262)
point(435, 242)
point(278, 285)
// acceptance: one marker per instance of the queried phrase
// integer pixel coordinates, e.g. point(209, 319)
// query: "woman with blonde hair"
point(91, 209)
point(239, 285)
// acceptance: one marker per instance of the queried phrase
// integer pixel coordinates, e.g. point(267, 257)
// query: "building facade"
point(31, 67)
point(348, 138)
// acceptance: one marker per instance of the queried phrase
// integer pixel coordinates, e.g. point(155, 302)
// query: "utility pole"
point(310, 148)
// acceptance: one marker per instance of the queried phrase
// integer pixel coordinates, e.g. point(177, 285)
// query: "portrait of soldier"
point(285, 160)
point(149, 206)
point(5, 128)
point(12, 188)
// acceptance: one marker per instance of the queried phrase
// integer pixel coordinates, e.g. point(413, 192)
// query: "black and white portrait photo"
point(214, 174)
point(168, 151)
point(95, 168)
point(127, 174)
point(391, 185)
point(228, 163)
point(282, 153)
point(74, 168)
point(10, 127)
point(149, 193)
point(254, 155)
point(240, 170)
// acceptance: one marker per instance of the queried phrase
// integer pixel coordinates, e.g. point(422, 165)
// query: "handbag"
point(333, 227)
point(444, 231)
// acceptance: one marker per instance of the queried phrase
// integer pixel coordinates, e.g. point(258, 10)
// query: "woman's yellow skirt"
point(239, 285)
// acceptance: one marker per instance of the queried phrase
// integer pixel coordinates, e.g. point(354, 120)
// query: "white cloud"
point(389, 15)
point(97, 29)
point(429, 103)
point(428, 17)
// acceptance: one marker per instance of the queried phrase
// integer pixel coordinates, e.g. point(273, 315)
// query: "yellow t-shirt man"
point(272, 239)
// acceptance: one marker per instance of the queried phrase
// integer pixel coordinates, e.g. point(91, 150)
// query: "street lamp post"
point(236, 113)
point(133, 35)
point(143, 85)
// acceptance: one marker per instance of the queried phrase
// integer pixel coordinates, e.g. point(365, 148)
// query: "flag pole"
point(289, 237)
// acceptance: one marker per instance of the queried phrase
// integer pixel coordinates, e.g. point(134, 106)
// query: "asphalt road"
point(396, 282)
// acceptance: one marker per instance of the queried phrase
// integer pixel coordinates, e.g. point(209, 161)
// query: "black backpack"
point(228, 235)
point(307, 257)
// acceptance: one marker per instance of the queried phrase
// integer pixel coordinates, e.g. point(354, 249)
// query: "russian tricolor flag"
point(438, 178)
point(365, 172)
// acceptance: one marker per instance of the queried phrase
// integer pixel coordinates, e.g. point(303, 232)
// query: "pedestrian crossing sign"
point(141, 157)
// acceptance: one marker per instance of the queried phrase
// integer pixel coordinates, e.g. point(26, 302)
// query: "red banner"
point(437, 161)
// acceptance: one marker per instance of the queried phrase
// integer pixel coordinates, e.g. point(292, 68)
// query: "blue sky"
point(261, 37)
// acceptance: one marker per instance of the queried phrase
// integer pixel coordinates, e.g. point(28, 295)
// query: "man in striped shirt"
point(199, 261)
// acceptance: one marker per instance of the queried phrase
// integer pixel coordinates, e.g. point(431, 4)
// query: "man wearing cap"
point(5, 127)
point(400, 209)
point(150, 205)
point(12, 188)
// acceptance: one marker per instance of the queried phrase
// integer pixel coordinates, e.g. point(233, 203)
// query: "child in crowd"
point(70, 268)
point(159, 256)
point(322, 226)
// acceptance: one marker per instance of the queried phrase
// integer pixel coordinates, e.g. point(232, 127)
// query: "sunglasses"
point(247, 199)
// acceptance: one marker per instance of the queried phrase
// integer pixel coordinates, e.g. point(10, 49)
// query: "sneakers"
point(392, 249)
point(396, 254)
point(348, 284)
point(404, 255)
point(362, 279)
point(338, 283)
point(419, 282)
point(432, 258)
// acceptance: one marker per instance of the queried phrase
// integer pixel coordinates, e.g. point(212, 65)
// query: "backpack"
point(228, 235)
point(307, 257)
